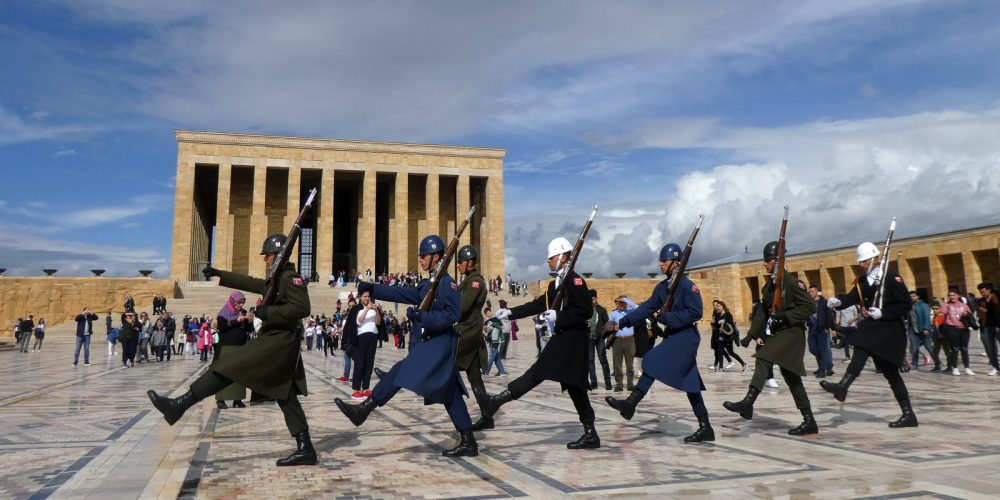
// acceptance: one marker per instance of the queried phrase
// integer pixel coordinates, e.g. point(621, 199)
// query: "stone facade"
point(376, 200)
point(928, 264)
point(60, 299)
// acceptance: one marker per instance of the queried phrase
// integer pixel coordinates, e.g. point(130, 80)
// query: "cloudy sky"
point(850, 112)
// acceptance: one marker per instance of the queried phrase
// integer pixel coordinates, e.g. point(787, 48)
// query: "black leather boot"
point(745, 406)
point(378, 372)
point(909, 419)
point(467, 446)
point(304, 453)
point(172, 408)
point(484, 423)
point(221, 405)
point(493, 403)
point(839, 390)
point(626, 407)
point(808, 425)
point(239, 404)
point(704, 432)
point(356, 413)
point(589, 439)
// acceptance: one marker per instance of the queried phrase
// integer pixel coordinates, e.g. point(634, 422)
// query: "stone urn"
point(50, 272)
point(145, 272)
point(651, 275)
point(620, 275)
point(97, 272)
point(2, 270)
point(587, 275)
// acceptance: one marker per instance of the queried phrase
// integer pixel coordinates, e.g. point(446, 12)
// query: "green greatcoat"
point(470, 322)
point(270, 363)
point(787, 344)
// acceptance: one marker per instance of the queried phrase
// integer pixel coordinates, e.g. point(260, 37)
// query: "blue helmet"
point(431, 244)
point(670, 251)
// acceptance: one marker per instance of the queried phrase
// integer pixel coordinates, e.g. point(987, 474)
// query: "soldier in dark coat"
point(472, 354)
point(269, 365)
point(673, 362)
point(881, 333)
point(784, 343)
point(564, 358)
point(429, 369)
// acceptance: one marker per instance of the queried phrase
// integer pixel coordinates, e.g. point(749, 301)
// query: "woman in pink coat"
point(205, 340)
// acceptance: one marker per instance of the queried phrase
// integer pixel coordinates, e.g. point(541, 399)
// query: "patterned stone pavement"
point(78, 432)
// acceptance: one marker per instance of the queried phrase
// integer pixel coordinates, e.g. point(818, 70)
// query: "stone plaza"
point(90, 432)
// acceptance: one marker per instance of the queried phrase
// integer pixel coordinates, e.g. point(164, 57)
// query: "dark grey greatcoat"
point(470, 323)
point(886, 336)
point(564, 358)
point(270, 363)
point(787, 344)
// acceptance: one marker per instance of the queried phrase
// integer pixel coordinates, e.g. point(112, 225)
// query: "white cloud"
point(96, 216)
point(66, 152)
point(14, 129)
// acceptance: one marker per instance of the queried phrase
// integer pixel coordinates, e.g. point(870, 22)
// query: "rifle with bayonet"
point(286, 252)
point(571, 263)
point(449, 253)
point(778, 273)
point(883, 267)
point(679, 270)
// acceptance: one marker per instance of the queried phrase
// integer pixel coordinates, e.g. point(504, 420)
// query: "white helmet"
point(867, 250)
point(559, 246)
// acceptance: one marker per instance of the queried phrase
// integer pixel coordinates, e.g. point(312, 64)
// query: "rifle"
point(679, 271)
point(286, 252)
point(449, 253)
point(883, 267)
point(778, 274)
point(568, 268)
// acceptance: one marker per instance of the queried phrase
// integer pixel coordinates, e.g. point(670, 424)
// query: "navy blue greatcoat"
point(429, 369)
point(673, 361)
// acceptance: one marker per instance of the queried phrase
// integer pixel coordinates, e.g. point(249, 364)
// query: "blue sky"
point(849, 111)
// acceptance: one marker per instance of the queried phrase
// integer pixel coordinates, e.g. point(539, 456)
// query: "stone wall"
point(60, 299)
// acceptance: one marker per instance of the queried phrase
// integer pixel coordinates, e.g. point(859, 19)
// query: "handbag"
point(970, 321)
point(215, 338)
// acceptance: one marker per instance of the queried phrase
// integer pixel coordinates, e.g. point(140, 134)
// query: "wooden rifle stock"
point(449, 253)
point(669, 303)
point(568, 268)
point(286, 252)
point(883, 266)
point(779, 265)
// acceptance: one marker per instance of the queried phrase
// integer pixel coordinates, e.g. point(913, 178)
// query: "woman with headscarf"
point(234, 327)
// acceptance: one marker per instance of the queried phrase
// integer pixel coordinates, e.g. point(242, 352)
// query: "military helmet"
point(431, 244)
point(867, 250)
point(273, 244)
point(468, 252)
point(670, 251)
point(559, 246)
point(771, 251)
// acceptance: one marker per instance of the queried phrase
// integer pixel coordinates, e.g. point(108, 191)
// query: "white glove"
point(503, 314)
point(549, 316)
point(874, 313)
point(833, 302)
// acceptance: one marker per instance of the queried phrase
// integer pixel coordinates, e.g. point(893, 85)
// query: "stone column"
point(493, 230)
point(366, 225)
point(324, 227)
point(939, 280)
point(223, 219)
point(258, 218)
point(292, 204)
point(462, 205)
point(973, 273)
point(399, 242)
point(433, 205)
point(905, 271)
point(181, 261)
point(825, 281)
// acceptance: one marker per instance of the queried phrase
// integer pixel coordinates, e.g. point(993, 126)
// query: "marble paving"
point(89, 432)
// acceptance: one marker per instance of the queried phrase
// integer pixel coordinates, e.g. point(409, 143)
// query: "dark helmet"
point(670, 251)
point(431, 244)
point(771, 251)
point(468, 252)
point(273, 244)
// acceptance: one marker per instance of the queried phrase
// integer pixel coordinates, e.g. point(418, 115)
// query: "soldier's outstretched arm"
point(241, 282)
point(650, 305)
point(402, 295)
point(533, 308)
point(687, 307)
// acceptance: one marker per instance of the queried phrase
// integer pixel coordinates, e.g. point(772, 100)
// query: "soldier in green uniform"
point(471, 346)
point(270, 364)
point(784, 343)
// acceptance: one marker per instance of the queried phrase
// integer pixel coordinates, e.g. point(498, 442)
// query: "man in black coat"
point(819, 334)
point(564, 357)
point(597, 322)
point(881, 333)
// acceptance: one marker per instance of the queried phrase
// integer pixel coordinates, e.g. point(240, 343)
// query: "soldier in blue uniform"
point(564, 358)
point(673, 362)
point(429, 370)
point(881, 334)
